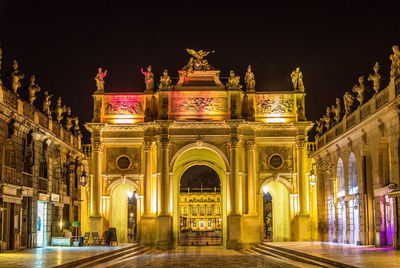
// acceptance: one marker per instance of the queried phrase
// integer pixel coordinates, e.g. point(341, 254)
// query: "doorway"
point(200, 207)
point(267, 201)
point(275, 208)
point(41, 224)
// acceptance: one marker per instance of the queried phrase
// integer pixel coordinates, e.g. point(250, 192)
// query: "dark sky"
point(200, 175)
point(63, 43)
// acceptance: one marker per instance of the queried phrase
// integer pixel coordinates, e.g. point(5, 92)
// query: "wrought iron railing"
point(43, 184)
point(11, 176)
point(27, 179)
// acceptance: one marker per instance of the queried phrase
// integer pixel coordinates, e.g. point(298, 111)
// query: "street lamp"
point(83, 180)
point(312, 177)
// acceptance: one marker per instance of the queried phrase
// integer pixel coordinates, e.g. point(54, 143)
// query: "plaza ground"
point(212, 256)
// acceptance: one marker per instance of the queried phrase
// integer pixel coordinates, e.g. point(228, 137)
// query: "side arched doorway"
point(190, 156)
point(124, 212)
point(275, 208)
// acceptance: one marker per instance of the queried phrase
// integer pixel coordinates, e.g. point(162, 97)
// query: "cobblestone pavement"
point(360, 256)
point(204, 257)
point(50, 256)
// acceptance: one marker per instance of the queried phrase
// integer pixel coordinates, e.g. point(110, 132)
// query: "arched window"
point(352, 175)
point(341, 189)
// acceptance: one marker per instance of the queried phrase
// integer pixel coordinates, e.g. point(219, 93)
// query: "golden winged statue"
point(199, 54)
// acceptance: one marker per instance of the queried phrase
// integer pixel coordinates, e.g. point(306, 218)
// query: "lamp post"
point(312, 177)
point(71, 166)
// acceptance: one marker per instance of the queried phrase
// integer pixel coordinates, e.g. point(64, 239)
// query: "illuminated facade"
point(254, 141)
point(357, 167)
point(200, 211)
point(41, 166)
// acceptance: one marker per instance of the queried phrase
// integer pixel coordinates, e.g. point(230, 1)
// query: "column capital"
point(147, 145)
point(97, 146)
point(234, 143)
point(250, 145)
point(165, 143)
point(301, 143)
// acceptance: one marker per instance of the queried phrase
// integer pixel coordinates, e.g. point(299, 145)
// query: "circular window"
point(123, 162)
point(276, 161)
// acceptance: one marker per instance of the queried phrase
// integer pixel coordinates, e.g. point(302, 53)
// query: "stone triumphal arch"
point(142, 143)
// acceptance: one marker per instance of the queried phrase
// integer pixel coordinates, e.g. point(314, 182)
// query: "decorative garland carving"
point(199, 104)
point(269, 105)
point(120, 107)
point(286, 152)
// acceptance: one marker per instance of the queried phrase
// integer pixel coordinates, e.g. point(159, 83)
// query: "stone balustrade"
point(361, 113)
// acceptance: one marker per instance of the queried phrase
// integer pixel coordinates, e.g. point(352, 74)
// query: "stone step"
point(325, 261)
point(139, 249)
point(280, 255)
point(276, 259)
point(79, 262)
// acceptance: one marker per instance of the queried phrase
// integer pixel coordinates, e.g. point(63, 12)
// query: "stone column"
point(234, 217)
point(302, 178)
point(164, 218)
point(303, 221)
point(96, 182)
point(164, 178)
point(251, 177)
point(147, 177)
point(234, 183)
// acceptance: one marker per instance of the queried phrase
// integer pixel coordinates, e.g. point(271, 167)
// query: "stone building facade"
point(39, 184)
point(357, 166)
point(144, 142)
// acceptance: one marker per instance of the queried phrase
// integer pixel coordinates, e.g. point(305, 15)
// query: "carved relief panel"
point(123, 159)
point(199, 104)
point(275, 106)
point(276, 158)
point(123, 108)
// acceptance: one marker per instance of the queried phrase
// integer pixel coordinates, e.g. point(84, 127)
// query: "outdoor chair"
point(105, 241)
point(96, 239)
point(86, 239)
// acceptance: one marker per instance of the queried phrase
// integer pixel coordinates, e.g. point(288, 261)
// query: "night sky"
point(63, 43)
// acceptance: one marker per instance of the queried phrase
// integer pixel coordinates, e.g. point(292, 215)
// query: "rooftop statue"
point(395, 58)
point(336, 109)
point(250, 80)
point(376, 78)
point(327, 118)
point(165, 81)
point(68, 119)
point(47, 103)
point(320, 126)
point(233, 80)
point(33, 88)
point(148, 78)
point(15, 77)
point(297, 79)
point(100, 79)
point(348, 101)
point(199, 63)
point(360, 90)
point(76, 125)
point(60, 110)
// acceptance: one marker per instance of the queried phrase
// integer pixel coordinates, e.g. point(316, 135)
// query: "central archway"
point(200, 207)
point(189, 157)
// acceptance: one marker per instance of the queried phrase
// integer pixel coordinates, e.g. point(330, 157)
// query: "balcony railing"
point(10, 176)
point(87, 149)
point(27, 179)
point(43, 184)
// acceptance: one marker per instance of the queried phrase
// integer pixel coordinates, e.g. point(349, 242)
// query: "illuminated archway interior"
point(119, 211)
point(280, 211)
